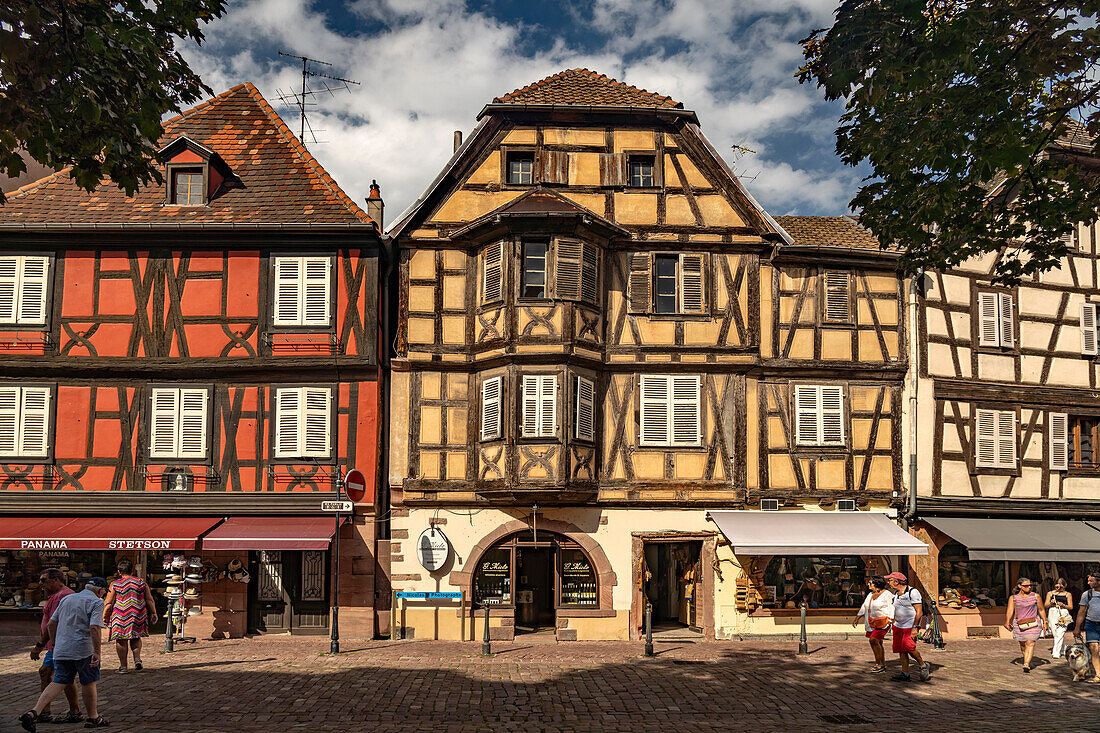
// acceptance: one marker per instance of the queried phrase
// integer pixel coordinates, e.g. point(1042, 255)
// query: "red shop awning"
point(271, 533)
point(102, 533)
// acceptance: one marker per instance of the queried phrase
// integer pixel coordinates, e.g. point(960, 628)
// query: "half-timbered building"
point(601, 336)
point(188, 371)
point(1008, 468)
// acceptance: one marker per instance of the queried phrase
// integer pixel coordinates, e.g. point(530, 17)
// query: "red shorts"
point(878, 633)
point(904, 641)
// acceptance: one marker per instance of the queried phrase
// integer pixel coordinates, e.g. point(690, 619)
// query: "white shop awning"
point(815, 533)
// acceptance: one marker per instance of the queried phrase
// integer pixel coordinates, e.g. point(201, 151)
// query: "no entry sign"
point(355, 484)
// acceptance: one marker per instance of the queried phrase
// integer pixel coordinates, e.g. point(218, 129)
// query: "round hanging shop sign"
point(433, 549)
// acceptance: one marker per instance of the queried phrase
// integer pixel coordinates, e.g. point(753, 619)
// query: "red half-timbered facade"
point(208, 347)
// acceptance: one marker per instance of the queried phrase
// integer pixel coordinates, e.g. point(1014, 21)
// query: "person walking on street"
point(908, 605)
point(877, 613)
point(130, 609)
point(1026, 619)
point(1088, 622)
point(53, 583)
point(1059, 603)
point(75, 628)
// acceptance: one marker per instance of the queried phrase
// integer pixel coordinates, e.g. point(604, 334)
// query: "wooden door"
point(271, 607)
point(308, 591)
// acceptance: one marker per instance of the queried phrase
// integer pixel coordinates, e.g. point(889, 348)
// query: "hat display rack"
point(183, 588)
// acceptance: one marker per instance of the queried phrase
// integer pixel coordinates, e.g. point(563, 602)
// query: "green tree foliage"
point(86, 83)
point(957, 107)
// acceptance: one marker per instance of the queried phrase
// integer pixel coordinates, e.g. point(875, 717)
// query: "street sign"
point(337, 506)
point(433, 549)
point(425, 596)
point(355, 484)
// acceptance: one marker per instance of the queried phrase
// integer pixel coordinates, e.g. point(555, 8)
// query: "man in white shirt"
point(908, 606)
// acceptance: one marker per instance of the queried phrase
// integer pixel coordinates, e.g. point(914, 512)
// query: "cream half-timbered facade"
point(601, 336)
point(1007, 426)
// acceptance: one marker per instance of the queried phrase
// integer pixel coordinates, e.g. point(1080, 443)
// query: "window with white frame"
point(994, 438)
point(1089, 335)
point(178, 422)
point(819, 415)
point(671, 408)
point(24, 421)
point(490, 408)
point(995, 319)
point(303, 291)
point(303, 422)
point(23, 285)
point(540, 405)
point(584, 423)
point(663, 282)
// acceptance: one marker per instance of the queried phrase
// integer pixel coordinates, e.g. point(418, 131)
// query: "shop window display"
point(822, 582)
point(578, 580)
point(493, 581)
point(20, 569)
point(966, 583)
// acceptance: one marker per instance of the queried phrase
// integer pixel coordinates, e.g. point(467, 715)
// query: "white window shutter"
point(288, 408)
point(492, 279)
point(1008, 335)
point(806, 411)
point(832, 415)
point(691, 283)
point(654, 419)
point(548, 406)
point(317, 272)
point(9, 421)
point(316, 421)
point(1006, 439)
point(9, 289)
point(590, 267)
point(35, 421)
point(568, 254)
point(1058, 431)
point(988, 323)
point(639, 284)
point(837, 296)
point(985, 439)
point(288, 291)
point(490, 409)
point(192, 423)
point(163, 420)
point(32, 290)
point(1088, 329)
point(584, 429)
point(686, 429)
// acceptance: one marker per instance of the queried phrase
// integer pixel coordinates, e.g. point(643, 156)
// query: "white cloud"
point(427, 66)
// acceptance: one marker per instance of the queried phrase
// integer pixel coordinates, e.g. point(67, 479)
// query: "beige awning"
point(1050, 540)
point(815, 533)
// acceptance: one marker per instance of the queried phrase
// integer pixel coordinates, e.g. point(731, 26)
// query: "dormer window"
point(187, 187)
point(521, 168)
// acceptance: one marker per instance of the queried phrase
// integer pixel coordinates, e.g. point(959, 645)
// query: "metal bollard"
point(937, 638)
point(803, 647)
point(486, 647)
point(169, 642)
point(648, 629)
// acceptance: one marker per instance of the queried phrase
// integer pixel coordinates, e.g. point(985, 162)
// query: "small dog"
point(1080, 662)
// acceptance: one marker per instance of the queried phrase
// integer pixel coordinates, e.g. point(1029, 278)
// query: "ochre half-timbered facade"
point(207, 348)
point(601, 336)
point(1007, 417)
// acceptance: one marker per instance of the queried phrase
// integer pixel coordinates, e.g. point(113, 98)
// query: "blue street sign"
point(421, 596)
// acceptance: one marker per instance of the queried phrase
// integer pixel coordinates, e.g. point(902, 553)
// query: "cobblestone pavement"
point(282, 683)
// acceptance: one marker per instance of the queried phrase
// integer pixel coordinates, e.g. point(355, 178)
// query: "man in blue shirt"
point(75, 630)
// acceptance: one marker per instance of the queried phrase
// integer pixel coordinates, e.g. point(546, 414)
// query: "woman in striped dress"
point(129, 606)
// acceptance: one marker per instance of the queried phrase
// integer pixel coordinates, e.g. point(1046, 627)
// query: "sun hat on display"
point(234, 565)
point(192, 594)
point(193, 578)
point(194, 562)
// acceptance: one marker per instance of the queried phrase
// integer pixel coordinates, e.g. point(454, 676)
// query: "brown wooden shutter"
point(692, 299)
point(837, 296)
point(638, 286)
point(567, 268)
point(554, 166)
point(612, 169)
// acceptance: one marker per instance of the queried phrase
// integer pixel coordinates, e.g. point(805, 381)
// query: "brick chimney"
point(375, 206)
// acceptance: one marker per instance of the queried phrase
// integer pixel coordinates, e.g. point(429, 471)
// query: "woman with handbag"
point(1026, 619)
point(877, 613)
point(1059, 618)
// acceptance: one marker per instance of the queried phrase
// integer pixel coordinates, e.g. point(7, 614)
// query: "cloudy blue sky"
point(427, 67)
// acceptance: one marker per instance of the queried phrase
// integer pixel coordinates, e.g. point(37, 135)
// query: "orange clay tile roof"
point(586, 88)
point(279, 182)
point(1075, 135)
point(827, 231)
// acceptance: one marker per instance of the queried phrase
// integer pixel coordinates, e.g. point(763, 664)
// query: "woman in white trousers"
point(1059, 603)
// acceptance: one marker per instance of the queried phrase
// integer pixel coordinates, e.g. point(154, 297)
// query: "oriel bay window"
point(537, 573)
point(534, 269)
point(575, 265)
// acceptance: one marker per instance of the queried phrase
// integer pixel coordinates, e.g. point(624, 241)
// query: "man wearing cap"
point(53, 583)
point(907, 614)
point(75, 629)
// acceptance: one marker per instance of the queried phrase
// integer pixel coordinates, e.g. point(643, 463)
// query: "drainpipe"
point(914, 382)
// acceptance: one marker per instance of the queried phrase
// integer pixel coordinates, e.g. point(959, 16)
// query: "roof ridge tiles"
point(627, 95)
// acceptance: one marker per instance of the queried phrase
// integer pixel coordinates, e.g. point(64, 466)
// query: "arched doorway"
point(536, 576)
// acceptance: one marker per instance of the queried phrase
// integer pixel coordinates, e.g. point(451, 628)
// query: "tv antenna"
point(303, 99)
